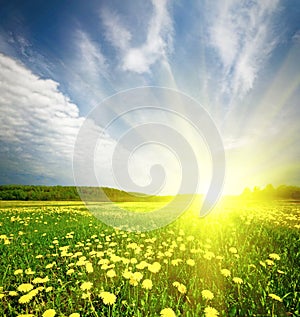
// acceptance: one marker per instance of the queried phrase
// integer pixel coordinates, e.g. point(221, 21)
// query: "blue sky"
point(238, 59)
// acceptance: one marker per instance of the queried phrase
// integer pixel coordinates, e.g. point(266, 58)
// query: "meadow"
point(241, 260)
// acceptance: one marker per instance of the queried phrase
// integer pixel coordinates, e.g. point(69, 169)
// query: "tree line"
point(67, 193)
point(270, 192)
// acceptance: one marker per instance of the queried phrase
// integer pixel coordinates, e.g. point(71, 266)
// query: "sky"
point(238, 59)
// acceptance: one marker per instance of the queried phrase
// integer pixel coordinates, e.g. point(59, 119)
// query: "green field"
point(241, 260)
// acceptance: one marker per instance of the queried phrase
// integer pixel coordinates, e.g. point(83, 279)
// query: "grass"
point(246, 254)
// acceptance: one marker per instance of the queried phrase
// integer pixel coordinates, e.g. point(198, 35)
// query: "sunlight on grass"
point(241, 260)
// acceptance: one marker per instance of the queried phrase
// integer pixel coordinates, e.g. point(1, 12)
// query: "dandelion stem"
point(93, 308)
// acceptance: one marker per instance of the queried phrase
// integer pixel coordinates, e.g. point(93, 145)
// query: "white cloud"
point(86, 71)
point(156, 46)
point(39, 126)
point(116, 32)
point(91, 58)
point(242, 35)
point(38, 123)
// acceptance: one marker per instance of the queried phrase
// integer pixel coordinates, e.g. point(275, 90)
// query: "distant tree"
point(282, 191)
point(247, 193)
point(269, 191)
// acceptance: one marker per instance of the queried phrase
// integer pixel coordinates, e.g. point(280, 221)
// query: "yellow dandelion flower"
point(147, 284)
point(48, 289)
point(211, 312)
point(190, 238)
point(127, 274)
point(12, 293)
point(39, 280)
point(274, 256)
point(82, 258)
point(280, 272)
point(207, 294)
point(46, 279)
point(167, 312)
point(270, 262)
point(273, 296)
point(64, 248)
point(225, 272)
point(104, 267)
point(115, 258)
point(103, 261)
point(233, 250)
point(111, 273)
point(74, 315)
point(133, 281)
point(49, 313)
point(237, 280)
point(182, 247)
point(85, 286)
point(262, 263)
point(25, 299)
point(26, 315)
point(168, 254)
point(86, 295)
point(181, 287)
point(108, 298)
point(81, 261)
point(154, 267)
point(137, 276)
point(25, 287)
point(50, 265)
point(2, 295)
point(33, 293)
point(19, 271)
point(70, 271)
point(175, 262)
point(89, 267)
point(190, 262)
point(142, 265)
point(29, 271)
point(132, 246)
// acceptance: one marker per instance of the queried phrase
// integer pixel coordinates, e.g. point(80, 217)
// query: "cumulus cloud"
point(38, 124)
point(39, 129)
point(157, 44)
point(243, 37)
